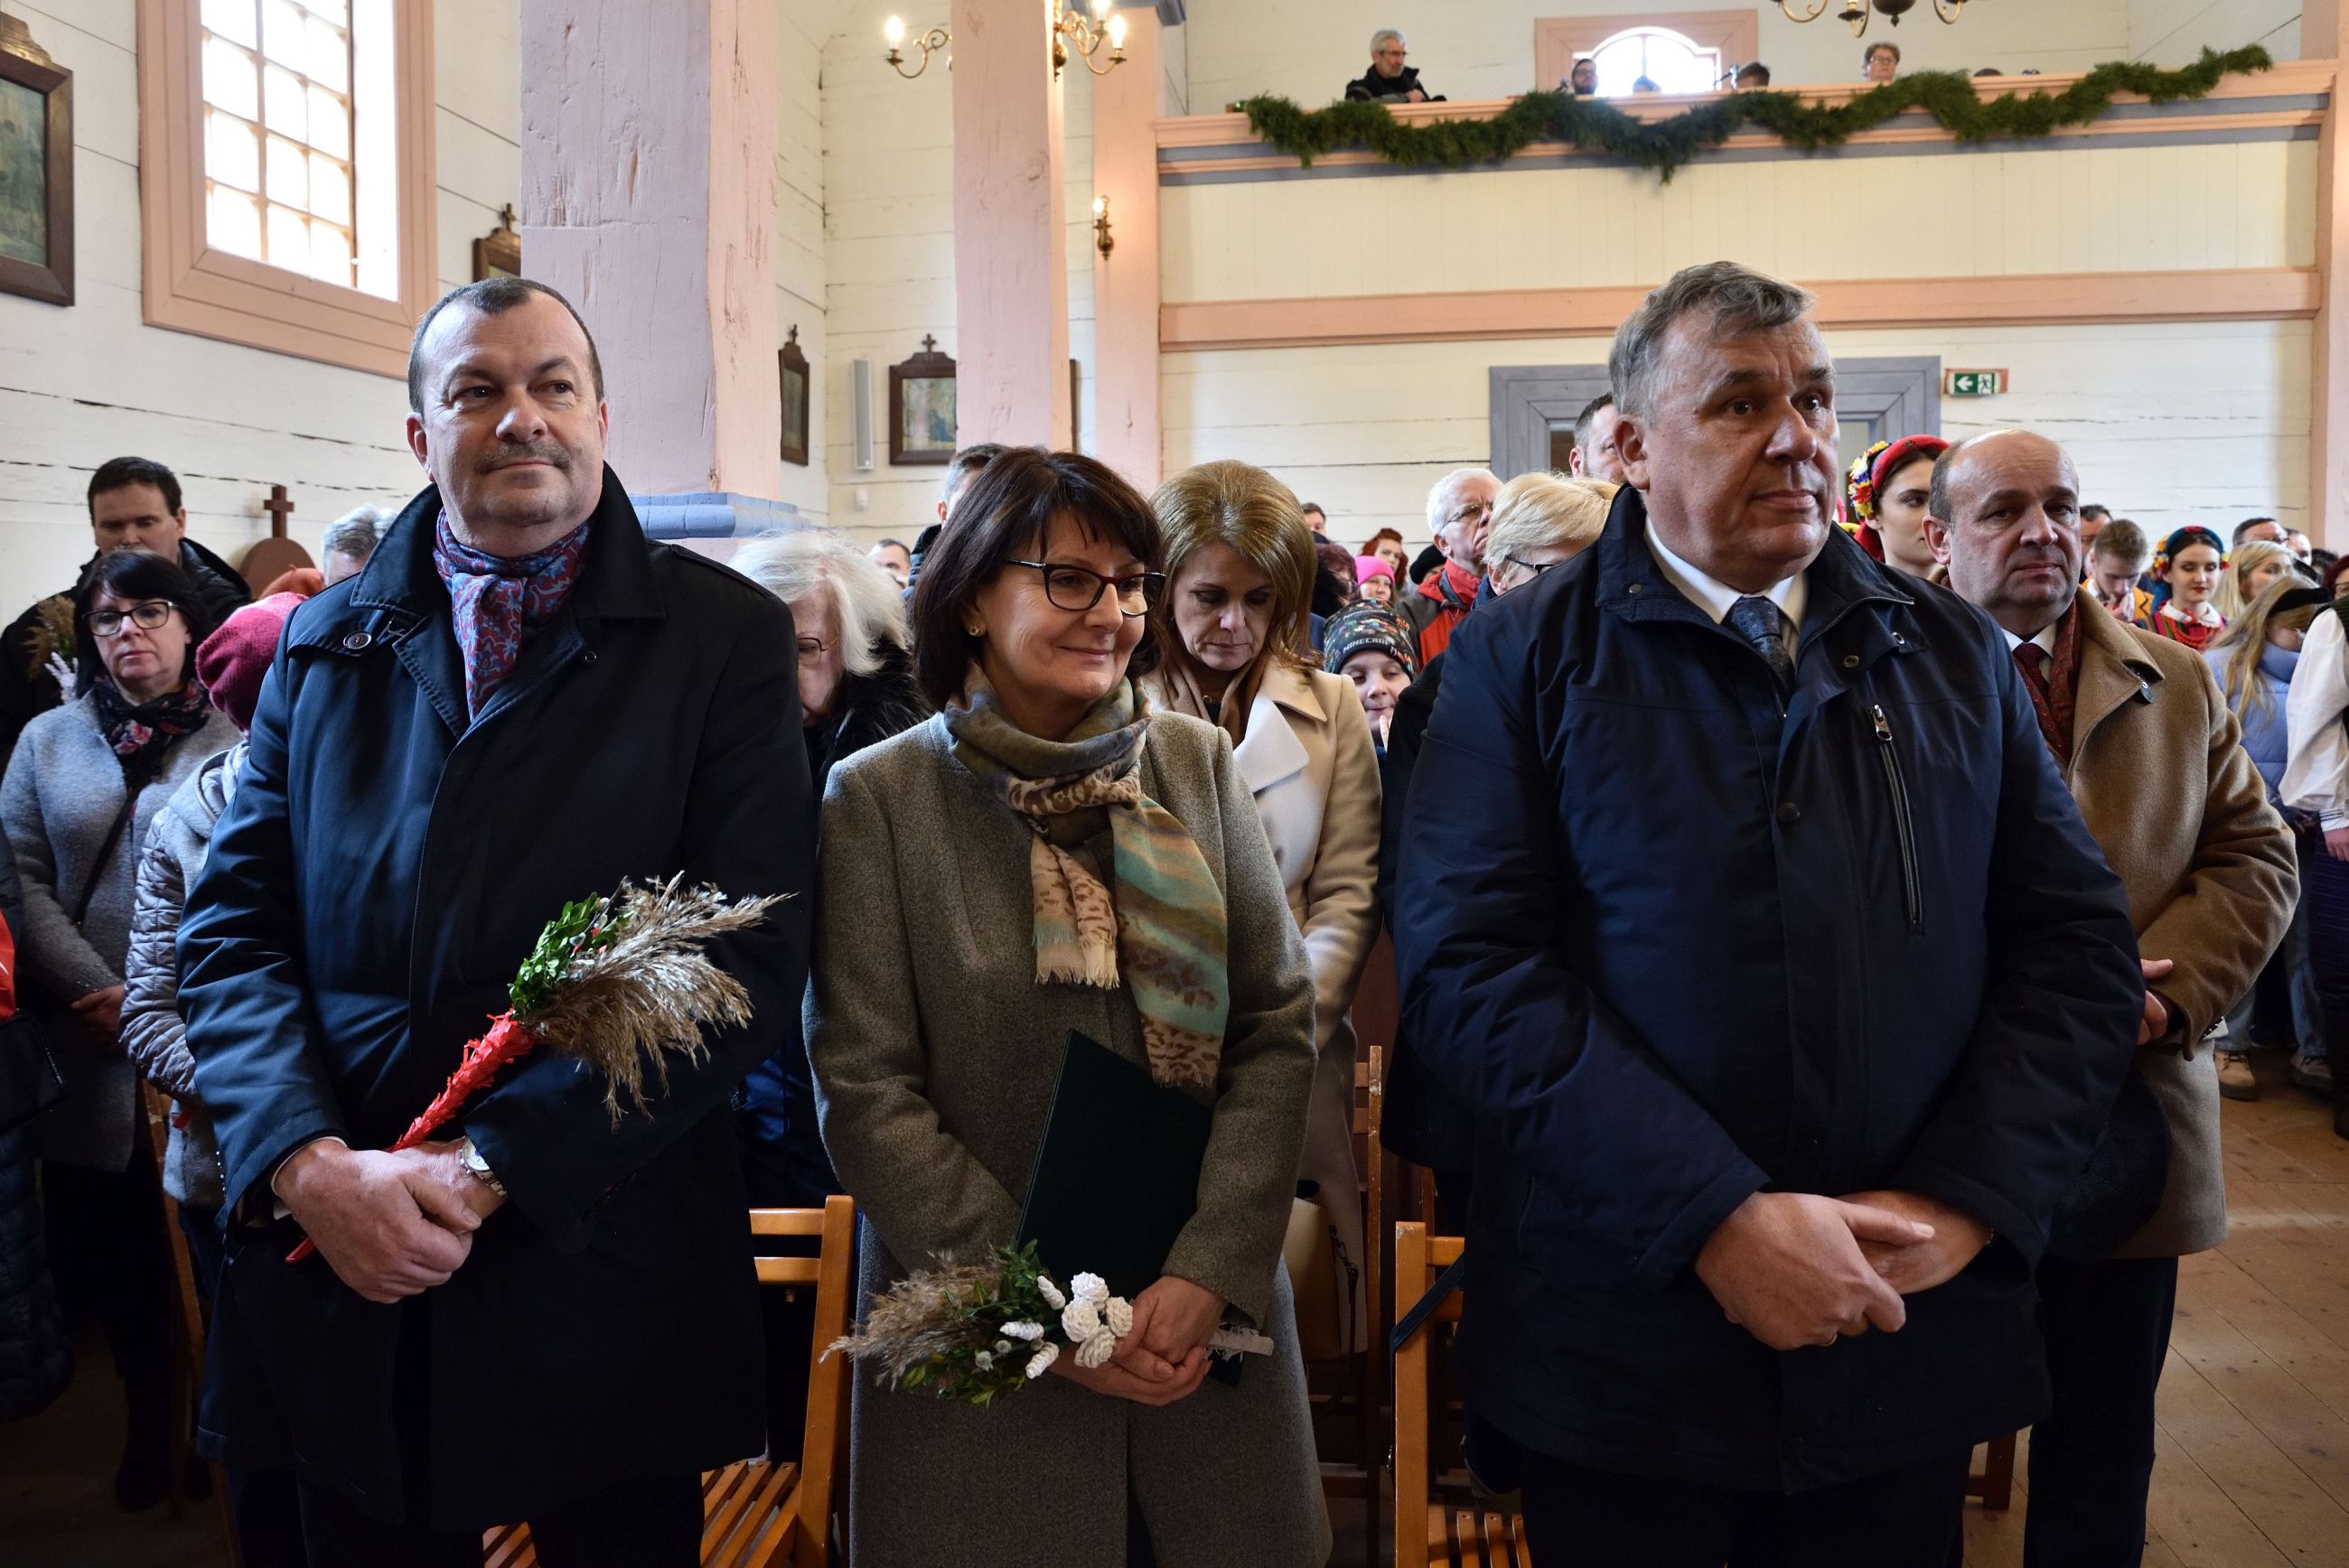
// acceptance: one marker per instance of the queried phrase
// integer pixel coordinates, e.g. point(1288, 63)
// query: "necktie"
point(1764, 625)
point(2036, 664)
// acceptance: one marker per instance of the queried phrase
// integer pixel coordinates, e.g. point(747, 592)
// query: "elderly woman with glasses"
point(81, 787)
point(1239, 576)
point(1050, 854)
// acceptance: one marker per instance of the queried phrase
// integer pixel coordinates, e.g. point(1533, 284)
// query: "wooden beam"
point(1011, 264)
point(2254, 293)
point(1125, 281)
point(2326, 24)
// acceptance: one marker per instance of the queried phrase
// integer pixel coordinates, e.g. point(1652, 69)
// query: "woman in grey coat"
point(82, 786)
point(1047, 855)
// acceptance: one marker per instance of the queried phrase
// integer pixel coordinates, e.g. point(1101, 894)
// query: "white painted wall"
point(81, 383)
point(2173, 32)
point(2169, 424)
point(801, 264)
point(888, 206)
point(1310, 49)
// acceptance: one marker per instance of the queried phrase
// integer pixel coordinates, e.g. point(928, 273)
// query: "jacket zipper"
point(1891, 758)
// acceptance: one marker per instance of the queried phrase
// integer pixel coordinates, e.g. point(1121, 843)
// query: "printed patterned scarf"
point(139, 733)
point(2055, 690)
point(1162, 933)
point(498, 601)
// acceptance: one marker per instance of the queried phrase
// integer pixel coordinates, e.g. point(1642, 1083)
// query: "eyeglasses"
point(812, 648)
point(148, 616)
point(1079, 588)
point(1531, 569)
point(1474, 508)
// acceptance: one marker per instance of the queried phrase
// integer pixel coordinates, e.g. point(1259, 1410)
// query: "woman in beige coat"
point(1047, 855)
point(1239, 581)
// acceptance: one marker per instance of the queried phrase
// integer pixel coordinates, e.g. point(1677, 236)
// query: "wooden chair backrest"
point(823, 1449)
point(1419, 1258)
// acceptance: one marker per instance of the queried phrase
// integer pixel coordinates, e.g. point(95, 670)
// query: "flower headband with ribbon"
point(2187, 538)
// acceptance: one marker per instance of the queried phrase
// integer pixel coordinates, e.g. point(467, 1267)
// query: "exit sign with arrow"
point(1973, 383)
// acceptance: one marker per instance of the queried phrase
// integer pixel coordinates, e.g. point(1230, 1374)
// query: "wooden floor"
point(2252, 1466)
point(2253, 1470)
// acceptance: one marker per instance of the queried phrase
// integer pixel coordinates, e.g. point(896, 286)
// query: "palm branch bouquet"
point(617, 983)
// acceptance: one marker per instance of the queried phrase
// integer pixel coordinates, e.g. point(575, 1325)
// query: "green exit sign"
point(1973, 383)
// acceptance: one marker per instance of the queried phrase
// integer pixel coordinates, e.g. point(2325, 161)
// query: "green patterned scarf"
point(1162, 933)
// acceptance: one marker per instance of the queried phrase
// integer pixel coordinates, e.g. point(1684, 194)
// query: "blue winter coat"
point(2265, 735)
point(1678, 939)
point(382, 871)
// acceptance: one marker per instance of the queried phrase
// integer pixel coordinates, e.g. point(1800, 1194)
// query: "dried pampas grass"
point(921, 1318)
point(643, 988)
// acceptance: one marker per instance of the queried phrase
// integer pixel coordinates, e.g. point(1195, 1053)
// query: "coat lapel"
point(1272, 752)
point(2113, 671)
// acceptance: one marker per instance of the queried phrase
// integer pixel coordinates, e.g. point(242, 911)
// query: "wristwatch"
point(478, 1168)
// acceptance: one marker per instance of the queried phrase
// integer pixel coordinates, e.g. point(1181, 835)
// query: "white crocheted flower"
point(1095, 1351)
point(1080, 1320)
point(1041, 1362)
point(1051, 1293)
point(1003, 1348)
point(1030, 1331)
point(1118, 1312)
point(984, 1360)
point(1089, 1287)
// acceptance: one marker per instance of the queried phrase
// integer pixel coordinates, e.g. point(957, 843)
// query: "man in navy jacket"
point(548, 1314)
point(1742, 901)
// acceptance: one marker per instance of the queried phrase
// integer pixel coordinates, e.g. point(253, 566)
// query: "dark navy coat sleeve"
point(264, 1081)
point(2062, 991)
point(749, 829)
point(1497, 1012)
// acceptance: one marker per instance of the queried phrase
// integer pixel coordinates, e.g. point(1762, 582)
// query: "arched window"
point(1673, 61)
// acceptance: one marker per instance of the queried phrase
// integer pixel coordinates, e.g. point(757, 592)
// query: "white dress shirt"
point(2316, 777)
point(1716, 598)
point(2044, 642)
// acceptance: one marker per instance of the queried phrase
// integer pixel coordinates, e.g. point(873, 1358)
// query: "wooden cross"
point(929, 343)
point(279, 509)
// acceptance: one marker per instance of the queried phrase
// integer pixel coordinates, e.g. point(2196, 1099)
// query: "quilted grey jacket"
point(151, 1029)
point(63, 791)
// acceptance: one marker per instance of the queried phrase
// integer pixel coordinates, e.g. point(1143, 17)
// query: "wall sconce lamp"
point(1102, 240)
point(937, 39)
point(1087, 35)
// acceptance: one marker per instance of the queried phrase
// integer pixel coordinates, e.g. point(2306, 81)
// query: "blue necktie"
point(1764, 625)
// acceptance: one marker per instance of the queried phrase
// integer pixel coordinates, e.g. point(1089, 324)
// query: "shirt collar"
point(1716, 598)
point(2046, 640)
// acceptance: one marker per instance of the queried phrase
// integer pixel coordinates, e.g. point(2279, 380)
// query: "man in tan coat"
point(2155, 761)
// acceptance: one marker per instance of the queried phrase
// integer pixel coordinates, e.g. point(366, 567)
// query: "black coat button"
point(356, 642)
point(1789, 813)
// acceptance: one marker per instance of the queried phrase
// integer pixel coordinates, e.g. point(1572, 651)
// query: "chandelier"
point(1072, 30)
point(1856, 13)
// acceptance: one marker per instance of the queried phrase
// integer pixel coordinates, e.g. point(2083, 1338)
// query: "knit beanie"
point(1368, 566)
point(232, 661)
point(1365, 627)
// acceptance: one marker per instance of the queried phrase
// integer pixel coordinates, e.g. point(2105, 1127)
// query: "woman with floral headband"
point(2188, 565)
point(1886, 493)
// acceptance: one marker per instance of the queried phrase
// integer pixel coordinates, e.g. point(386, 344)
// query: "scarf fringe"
point(1075, 963)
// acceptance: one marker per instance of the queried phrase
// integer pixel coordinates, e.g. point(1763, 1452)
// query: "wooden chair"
point(756, 1514)
point(186, 1370)
point(1994, 1483)
point(1427, 1528)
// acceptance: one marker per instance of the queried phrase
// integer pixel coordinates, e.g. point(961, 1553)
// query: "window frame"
point(1558, 40)
point(189, 286)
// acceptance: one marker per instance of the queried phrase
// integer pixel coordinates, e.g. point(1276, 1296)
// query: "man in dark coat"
point(520, 701)
point(1741, 900)
point(134, 504)
point(1388, 80)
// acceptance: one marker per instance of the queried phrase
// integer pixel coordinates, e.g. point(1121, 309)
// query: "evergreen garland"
point(1595, 125)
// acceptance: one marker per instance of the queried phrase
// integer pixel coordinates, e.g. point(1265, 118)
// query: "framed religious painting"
point(37, 212)
point(922, 408)
point(497, 253)
point(794, 370)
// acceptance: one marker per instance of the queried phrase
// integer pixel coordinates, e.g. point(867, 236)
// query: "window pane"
point(330, 124)
point(289, 174)
point(232, 19)
point(232, 150)
point(283, 92)
point(289, 239)
point(325, 59)
point(332, 10)
point(231, 81)
point(330, 190)
point(1671, 61)
point(232, 223)
point(330, 255)
point(281, 33)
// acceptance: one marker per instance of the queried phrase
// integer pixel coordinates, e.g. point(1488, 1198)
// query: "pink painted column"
point(648, 198)
point(1125, 281)
point(2324, 35)
point(1011, 270)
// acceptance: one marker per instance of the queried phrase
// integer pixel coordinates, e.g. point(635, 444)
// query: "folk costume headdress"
point(1869, 473)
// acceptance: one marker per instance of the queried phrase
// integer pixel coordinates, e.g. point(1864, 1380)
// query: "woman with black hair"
point(81, 787)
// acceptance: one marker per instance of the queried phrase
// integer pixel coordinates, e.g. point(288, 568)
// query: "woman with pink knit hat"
point(1886, 493)
point(1374, 579)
